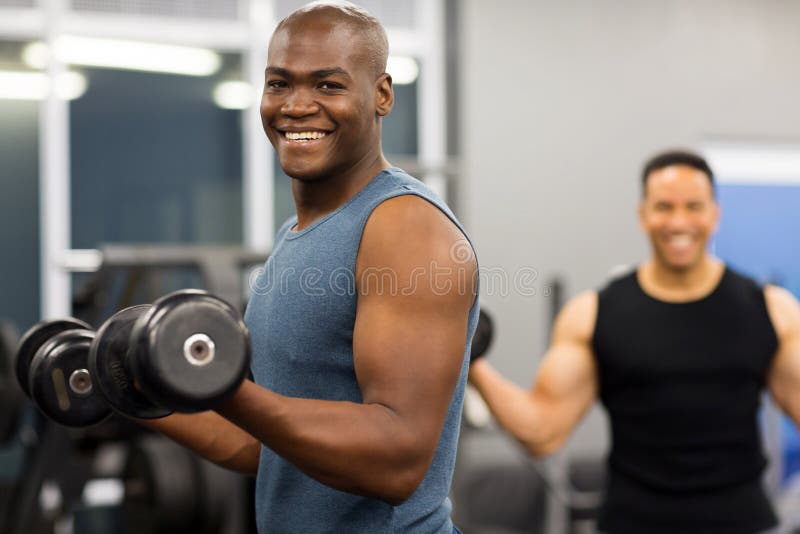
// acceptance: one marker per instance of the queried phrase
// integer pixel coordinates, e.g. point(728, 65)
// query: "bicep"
point(408, 354)
point(783, 378)
point(567, 380)
point(411, 322)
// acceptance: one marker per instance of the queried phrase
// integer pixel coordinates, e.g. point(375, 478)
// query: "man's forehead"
point(317, 46)
point(679, 181)
point(316, 28)
point(679, 171)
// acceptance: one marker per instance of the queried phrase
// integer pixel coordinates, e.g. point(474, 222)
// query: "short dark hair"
point(677, 157)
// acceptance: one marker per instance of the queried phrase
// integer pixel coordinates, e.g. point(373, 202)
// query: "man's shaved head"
point(358, 20)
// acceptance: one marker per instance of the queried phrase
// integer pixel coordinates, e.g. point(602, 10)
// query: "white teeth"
point(304, 136)
point(680, 240)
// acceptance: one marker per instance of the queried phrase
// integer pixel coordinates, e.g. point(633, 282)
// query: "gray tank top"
point(301, 317)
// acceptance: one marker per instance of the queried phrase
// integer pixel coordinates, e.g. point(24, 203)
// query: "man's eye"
point(330, 85)
point(275, 84)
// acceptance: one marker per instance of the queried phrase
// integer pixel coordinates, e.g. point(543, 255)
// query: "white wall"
point(561, 102)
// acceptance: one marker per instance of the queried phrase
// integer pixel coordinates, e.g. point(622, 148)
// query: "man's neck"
point(681, 285)
point(315, 199)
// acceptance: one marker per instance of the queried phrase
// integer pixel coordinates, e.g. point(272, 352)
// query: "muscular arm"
point(783, 379)
point(565, 387)
point(408, 348)
point(213, 437)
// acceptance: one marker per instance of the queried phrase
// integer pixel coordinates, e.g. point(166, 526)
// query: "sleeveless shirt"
point(301, 318)
point(682, 384)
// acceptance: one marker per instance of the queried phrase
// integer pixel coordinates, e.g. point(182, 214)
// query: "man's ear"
point(717, 215)
point(640, 213)
point(384, 95)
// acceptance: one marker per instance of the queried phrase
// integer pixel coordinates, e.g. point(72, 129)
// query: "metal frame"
point(259, 177)
point(432, 111)
point(248, 36)
point(54, 181)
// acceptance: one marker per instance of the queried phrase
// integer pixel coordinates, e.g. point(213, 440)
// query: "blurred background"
point(132, 162)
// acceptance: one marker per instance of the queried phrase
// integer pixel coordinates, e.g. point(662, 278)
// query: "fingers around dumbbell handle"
point(33, 339)
point(190, 351)
point(110, 367)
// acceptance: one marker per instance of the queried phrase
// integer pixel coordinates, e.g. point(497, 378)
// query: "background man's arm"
point(565, 387)
point(783, 379)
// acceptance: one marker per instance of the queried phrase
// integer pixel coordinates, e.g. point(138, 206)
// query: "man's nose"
point(300, 103)
point(679, 220)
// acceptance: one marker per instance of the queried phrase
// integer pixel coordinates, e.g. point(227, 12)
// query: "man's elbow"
point(541, 439)
point(402, 486)
point(408, 472)
point(544, 447)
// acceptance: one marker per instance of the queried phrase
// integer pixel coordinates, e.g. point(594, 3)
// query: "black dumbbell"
point(482, 339)
point(110, 370)
point(51, 365)
point(32, 341)
point(187, 352)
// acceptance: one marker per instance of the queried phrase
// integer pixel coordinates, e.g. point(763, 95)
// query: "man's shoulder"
point(412, 223)
point(577, 318)
point(420, 244)
point(784, 310)
point(412, 216)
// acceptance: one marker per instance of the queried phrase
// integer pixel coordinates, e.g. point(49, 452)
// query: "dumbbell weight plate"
point(60, 383)
point(111, 373)
point(33, 340)
point(482, 339)
point(11, 397)
point(190, 351)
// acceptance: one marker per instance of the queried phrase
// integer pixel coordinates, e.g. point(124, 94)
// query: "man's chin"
point(680, 265)
point(303, 172)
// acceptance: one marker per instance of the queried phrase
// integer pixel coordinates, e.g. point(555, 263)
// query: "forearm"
point(213, 437)
point(363, 449)
point(515, 409)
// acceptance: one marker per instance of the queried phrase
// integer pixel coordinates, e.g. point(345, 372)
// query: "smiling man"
point(361, 319)
point(678, 351)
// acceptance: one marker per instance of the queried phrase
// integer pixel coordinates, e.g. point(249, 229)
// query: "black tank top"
point(682, 384)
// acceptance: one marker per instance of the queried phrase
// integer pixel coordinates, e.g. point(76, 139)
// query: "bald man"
point(679, 352)
point(361, 318)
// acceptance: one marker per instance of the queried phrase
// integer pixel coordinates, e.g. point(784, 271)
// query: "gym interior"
point(134, 165)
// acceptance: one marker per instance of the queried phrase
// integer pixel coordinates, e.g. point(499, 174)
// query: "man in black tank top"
point(679, 352)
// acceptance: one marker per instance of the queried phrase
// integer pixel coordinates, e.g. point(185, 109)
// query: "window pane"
point(391, 13)
point(155, 160)
point(19, 202)
point(17, 3)
point(200, 9)
point(400, 127)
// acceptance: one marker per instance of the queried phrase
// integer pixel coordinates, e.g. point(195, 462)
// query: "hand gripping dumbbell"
point(187, 352)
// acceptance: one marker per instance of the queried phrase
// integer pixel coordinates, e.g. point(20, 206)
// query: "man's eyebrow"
point(277, 71)
point(321, 73)
point(324, 73)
